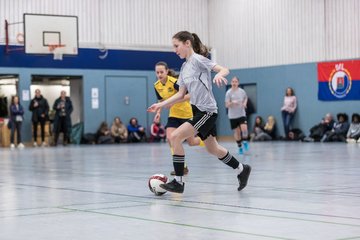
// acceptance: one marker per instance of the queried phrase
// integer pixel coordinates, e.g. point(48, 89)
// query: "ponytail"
point(199, 47)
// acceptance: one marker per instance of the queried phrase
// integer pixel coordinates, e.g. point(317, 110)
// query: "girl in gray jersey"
point(195, 78)
point(236, 101)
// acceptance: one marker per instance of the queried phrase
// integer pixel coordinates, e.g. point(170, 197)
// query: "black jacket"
point(41, 109)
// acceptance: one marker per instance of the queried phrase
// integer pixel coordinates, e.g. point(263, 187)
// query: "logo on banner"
point(340, 81)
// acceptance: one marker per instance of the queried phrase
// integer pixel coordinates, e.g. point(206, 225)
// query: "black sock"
point(179, 162)
point(230, 161)
point(239, 143)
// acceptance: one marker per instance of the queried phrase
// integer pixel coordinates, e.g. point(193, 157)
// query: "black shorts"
point(175, 122)
point(203, 122)
point(236, 122)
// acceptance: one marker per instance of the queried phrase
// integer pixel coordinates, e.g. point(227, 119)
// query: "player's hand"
point(153, 108)
point(219, 80)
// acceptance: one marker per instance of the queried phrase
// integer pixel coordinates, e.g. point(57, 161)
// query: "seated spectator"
point(157, 130)
point(269, 132)
point(103, 134)
point(317, 132)
point(353, 134)
point(258, 128)
point(339, 130)
point(295, 134)
point(136, 131)
point(118, 131)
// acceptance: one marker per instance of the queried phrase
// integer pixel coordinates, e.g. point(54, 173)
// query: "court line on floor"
point(220, 210)
point(38, 214)
point(349, 238)
point(190, 201)
point(180, 224)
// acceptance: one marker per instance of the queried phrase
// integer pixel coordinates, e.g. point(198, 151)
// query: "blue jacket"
point(14, 111)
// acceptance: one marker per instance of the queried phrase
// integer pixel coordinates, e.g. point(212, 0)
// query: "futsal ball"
point(154, 184)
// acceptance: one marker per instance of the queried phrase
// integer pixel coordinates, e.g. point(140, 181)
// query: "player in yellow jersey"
point(180, 112)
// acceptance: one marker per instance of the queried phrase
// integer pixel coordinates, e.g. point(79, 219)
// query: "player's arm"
point(245, 102)
point(228, 102)
point(160, 99)
point(176, 97)
point(219, 78)
point(186, 97)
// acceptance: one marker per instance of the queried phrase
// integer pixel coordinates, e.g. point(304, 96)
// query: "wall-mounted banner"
point(339, 80)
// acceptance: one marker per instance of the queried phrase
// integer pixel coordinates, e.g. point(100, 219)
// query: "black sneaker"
point(243, 177)
point(173, 186)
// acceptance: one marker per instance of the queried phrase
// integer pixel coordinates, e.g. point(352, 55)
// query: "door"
point(126, 97)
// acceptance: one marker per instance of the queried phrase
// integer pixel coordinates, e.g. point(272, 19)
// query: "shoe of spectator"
point(12, 146)
point(35, 144)
point(21, 145)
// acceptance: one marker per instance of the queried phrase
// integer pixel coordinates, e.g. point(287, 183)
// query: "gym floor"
point(296, 191)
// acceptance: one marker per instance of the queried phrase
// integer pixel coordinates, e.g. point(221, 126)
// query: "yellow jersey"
point(164, 91)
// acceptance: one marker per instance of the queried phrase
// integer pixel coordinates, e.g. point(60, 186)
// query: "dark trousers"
point(15, 126)
point(61, 127)
point(42, 126)
point(287, 120)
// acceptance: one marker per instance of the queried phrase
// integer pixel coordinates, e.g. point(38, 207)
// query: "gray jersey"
point(195, 76)
point(237, 96)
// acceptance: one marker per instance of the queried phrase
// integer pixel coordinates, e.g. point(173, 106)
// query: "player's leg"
point(214, 148)
point(244, 134)
point(171, 126)
point(177, 138)
point(235, 126)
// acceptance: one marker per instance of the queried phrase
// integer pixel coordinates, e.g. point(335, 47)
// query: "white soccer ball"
point(154, 184)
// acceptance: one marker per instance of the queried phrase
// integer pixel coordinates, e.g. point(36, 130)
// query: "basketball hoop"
point(56, 50)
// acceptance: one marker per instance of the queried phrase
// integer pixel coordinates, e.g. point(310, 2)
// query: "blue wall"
point(271, 84)
point(94, 72)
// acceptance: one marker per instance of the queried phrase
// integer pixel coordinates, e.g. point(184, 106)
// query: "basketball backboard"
point(45, 33)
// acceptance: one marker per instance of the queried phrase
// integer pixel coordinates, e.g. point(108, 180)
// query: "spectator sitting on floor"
point(339, 130)
point(103, 134)
point(119, 131)
point(318, 131)
point(295, 134)
point(353, 133)
point(258, 128)
point(269, 132)
point(157, 130)
point(136, 131)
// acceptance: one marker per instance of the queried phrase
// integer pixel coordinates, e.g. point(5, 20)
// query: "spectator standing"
point(62, 122)
point(288, 110)
point(40, 109)
point(15, 121)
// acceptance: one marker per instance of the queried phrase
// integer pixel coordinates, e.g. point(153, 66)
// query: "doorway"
point(51, 86)
point(8, 88)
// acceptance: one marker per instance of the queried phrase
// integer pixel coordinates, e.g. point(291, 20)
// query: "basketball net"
point(55, 49)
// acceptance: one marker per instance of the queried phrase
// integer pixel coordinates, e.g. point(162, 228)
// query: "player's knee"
point(175, 137)
point(191, 142)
